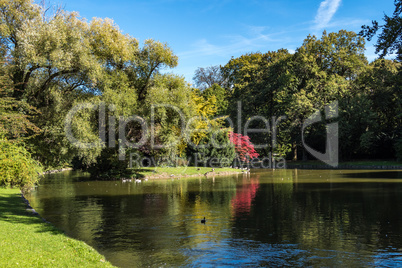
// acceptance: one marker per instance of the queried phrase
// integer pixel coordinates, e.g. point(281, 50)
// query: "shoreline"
point(37, 241)
point(32, 212)
point(208, 174)
point(185, 172)
point(172, 173)
point(55, 171)
point(363, 167)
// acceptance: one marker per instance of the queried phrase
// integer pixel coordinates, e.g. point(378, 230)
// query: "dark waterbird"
point(203, 221)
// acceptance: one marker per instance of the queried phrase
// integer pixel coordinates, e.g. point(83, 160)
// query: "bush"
point(215, 150)
point(243, 147)
point(17, 168)
point(108, 166)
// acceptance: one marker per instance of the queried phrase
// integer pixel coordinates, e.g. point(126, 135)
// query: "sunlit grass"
point(183, 171)
point(27, 241)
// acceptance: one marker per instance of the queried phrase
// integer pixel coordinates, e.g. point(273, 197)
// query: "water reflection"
point(268, 218)
point(245, 194)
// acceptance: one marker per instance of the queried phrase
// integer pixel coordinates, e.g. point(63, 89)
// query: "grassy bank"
point(27, 241)
point(164, 172)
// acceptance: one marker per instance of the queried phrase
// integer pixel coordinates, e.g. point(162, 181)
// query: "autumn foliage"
point(243, 147)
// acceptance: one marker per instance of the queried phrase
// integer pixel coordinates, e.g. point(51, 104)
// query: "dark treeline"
point(70, 89)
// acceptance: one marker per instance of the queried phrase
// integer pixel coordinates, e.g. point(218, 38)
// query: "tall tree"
point(390, 38)
point(59, 60)
point(322, 73)
point(206, 77)
point(389, 41)
point(379, 82)
point(295, 85)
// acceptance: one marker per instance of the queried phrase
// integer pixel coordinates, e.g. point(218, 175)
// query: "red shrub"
point(244, 148)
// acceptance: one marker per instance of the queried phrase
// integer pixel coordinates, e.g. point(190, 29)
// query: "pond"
point(267, 218)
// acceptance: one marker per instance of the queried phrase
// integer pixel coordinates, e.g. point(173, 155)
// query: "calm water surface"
point(268, 218)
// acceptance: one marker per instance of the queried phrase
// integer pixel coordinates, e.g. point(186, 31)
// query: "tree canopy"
point(82, 93)
point(389, 39)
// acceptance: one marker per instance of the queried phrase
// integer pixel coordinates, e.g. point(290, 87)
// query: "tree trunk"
point(18, 83)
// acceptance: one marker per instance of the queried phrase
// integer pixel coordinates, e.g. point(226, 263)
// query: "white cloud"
point(349, 23)
point(230, 45)
point(325, 12)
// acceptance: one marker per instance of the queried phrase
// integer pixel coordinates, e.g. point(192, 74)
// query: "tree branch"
point(28, 75)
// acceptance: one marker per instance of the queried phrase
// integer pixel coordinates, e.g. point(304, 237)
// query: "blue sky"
point(210, 32)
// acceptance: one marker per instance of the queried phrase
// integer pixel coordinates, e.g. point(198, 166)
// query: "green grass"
point(27, 241)
point(181, 171)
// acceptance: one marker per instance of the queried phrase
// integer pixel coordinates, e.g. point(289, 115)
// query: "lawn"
point(183, 171)
point(27, 241)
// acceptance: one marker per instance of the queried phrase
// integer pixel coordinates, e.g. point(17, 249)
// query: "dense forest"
point(80, 93)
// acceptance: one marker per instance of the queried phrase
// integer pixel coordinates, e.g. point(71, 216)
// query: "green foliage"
point(340, 53)
point(153, 57)
point(169, 104)
point(17, 168)
point(215, 150)
point(357, 126)
point(294, 85)
point(319, 72)
point(52, 63)
point(57, 61)
point(108, 166)
point(380, 82)
point(203, 123)
point(390, 38)
point(221, 96)
point(15, 117)
point(257, 80)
